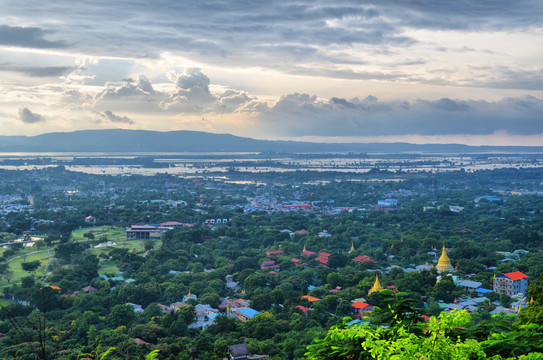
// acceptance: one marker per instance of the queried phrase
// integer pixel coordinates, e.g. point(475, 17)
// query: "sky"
point(334, 71)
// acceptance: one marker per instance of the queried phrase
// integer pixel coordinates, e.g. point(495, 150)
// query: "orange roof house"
point(311, 298)
point(303, 308)
point(360, 305)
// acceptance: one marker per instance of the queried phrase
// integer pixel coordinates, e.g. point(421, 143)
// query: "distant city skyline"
point(375, 71)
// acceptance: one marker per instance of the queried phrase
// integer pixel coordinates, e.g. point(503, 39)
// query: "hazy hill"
point(195, 141)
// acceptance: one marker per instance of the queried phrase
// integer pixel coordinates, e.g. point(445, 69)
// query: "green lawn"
point(112, 233)
point(45, 255)
point(31, 254)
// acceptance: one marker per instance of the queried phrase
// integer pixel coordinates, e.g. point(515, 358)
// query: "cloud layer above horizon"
point(280, 69)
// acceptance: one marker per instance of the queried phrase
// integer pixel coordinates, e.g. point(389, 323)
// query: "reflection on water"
point(188, 164)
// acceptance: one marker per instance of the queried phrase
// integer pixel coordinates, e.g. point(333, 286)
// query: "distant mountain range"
point(140, 141)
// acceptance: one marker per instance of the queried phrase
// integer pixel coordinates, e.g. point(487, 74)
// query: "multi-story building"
point(511, 283)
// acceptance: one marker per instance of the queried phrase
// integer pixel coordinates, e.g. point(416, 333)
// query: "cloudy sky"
point(408, 70)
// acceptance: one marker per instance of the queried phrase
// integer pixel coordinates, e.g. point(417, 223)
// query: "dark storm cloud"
point(302, 114)
point(36, 71)
point(274, 34)
point(27, 116)
point(465, 15)
point(29, 37)
point(225, 28)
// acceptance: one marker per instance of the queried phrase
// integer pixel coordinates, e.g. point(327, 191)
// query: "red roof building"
point(362, 309)
point(274, 252)
point(517, 275)
point(269, 264)
point(360, 305)
point(322, 260)
point(140, 341)
point(363, 258)
point(511, 283)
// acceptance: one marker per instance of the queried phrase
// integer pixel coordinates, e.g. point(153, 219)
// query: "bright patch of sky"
point(419, 71)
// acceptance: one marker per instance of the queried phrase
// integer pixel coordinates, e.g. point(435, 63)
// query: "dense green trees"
point(198, 258)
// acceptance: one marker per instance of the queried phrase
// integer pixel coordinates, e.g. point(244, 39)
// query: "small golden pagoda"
point(352, 248)
point(444, 263)
point(376, 286)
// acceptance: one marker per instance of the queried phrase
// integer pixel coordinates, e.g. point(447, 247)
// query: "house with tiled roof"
point(361, 309)
point(323, 260)
point(363, 258)
point(269, 264)
point(274, 252)
point(511, 283)
point(306, 252)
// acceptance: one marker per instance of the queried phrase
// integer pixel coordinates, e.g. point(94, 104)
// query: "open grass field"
point(44, 255)
point(26, 255)
point(112, 233)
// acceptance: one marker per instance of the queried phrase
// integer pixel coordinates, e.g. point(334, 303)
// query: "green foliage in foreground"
point(436, 342)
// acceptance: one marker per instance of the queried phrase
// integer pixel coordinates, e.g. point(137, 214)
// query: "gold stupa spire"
point(189, 295)
point(352, 248)
point(444, 263)
point(376, 286)
point(304, 250)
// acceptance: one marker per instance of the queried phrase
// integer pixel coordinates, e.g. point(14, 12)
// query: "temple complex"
point(376, 286)
point(444, 263)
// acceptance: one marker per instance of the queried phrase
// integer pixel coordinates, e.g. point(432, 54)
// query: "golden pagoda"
point(376, 286)
point(352, 248)
point(444, 263)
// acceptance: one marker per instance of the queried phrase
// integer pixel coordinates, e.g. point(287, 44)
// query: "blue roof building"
point(246, 314)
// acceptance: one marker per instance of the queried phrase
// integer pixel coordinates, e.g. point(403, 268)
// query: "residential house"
point(511, 283)
point(246, 314)
point(241, 352)
point(90, 219)
point(469, 285)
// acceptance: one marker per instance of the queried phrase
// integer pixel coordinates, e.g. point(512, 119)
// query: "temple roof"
point(444, 263)
point(376, 286)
